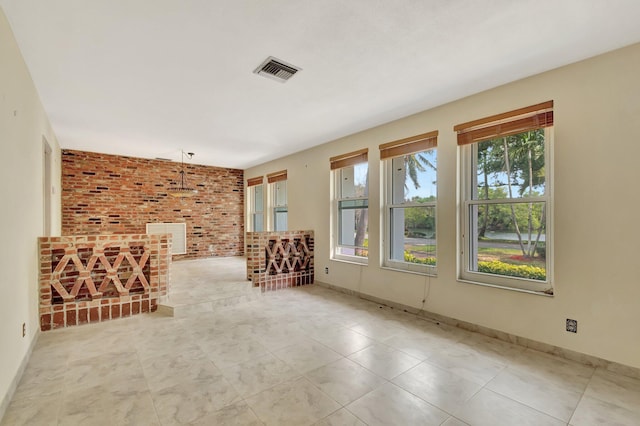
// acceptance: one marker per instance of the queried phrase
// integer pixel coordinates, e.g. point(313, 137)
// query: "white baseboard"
point(16, 378)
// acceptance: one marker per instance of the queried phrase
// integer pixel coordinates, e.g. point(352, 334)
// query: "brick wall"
point(108, 194)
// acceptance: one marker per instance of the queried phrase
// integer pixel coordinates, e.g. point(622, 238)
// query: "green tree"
point(519, 161)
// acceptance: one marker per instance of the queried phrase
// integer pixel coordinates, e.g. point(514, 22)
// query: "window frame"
point(275, 180)
point(252, 185)
point(468, 180)
point(338, 164)
point(389, 152)
point(279, 208)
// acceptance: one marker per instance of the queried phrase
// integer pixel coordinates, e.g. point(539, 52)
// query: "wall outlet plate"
point(572, 325)
point(326, 270)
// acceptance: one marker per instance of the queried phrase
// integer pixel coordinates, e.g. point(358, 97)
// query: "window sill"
point(351, 260)
point(407, 271)
point(502, 287)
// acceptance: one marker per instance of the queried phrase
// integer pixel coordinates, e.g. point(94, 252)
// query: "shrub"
point(541, 251)
point(416, 234)
point(408, 257)
point(519, 271)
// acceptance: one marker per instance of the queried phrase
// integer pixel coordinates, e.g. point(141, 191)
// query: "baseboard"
point(558, 351)
point(16, 379)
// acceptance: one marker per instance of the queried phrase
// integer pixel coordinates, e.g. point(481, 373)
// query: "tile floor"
point(309, 355)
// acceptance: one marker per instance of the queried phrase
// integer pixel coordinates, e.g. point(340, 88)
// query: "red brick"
point(83, 316)
point(94, 314)
point(105, 312)
point(135, 308)
point(71, 318)
point(45, 322)
point(145, 306)
point(115, 311)
point(58, 319)
point(126, 309)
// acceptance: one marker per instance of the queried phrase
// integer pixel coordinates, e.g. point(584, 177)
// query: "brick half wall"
point(86, 279)
point(281, 259)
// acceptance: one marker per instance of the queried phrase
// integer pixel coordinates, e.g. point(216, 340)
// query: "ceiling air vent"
point(276, 69)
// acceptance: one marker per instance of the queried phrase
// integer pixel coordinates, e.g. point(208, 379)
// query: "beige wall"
point(23, 124)
point(597, 234)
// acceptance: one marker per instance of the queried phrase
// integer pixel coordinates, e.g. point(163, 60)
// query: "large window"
point(256, 204)
point(351, 206)
point(410, 176)
point(279, 210)
point(506, 238)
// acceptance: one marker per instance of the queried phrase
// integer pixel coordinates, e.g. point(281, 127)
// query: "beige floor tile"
point(491, 348)
point(226, 354)
point(615, 389)
point(188, 402)
point(419, 345)
point(467, 363)
point(89, 372)
point(384, 360)
point(391, 405)
point(594, 412)
point(553, 368)
point(38, 411)
point(133, 410)
point(490, 409)
point(39, 382)
point(86, 406)
point(238, 414)
point(377, 329)
point(344, 380)
point(307, 355)
point(257, 375)
point(343, 340)
point(556, 399)
point(279, 336)
point(452, 421)
point(341, 417)
point(437, 386)
point(166, 371)
point(296, 402)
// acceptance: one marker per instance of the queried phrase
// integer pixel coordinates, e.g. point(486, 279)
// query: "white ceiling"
point(147, 78)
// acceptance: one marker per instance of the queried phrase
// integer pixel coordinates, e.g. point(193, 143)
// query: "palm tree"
point(415, 163)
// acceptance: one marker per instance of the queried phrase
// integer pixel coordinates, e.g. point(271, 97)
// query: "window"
point(506, 234)
point(256, 204)
point(351, 206)
point(410, 203)
point(279, 211)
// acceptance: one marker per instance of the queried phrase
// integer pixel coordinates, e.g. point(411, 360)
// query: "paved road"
point(484, 244)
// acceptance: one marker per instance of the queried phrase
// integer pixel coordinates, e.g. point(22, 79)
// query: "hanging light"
point(181, 189)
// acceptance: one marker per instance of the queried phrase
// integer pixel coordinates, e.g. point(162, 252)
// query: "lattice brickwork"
point(280, 259)
point(96, 278)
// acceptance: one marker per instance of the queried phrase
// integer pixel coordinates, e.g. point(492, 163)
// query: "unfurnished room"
point(319, 212)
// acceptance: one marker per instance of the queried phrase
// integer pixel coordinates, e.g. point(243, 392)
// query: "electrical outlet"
point(572, 325)
point(24, 329)
point(326, 270)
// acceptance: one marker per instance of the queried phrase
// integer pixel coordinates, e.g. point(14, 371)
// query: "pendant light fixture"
point(181, 189)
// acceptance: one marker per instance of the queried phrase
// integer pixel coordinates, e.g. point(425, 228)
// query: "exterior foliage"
point(519, 271)
point(408, 257)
